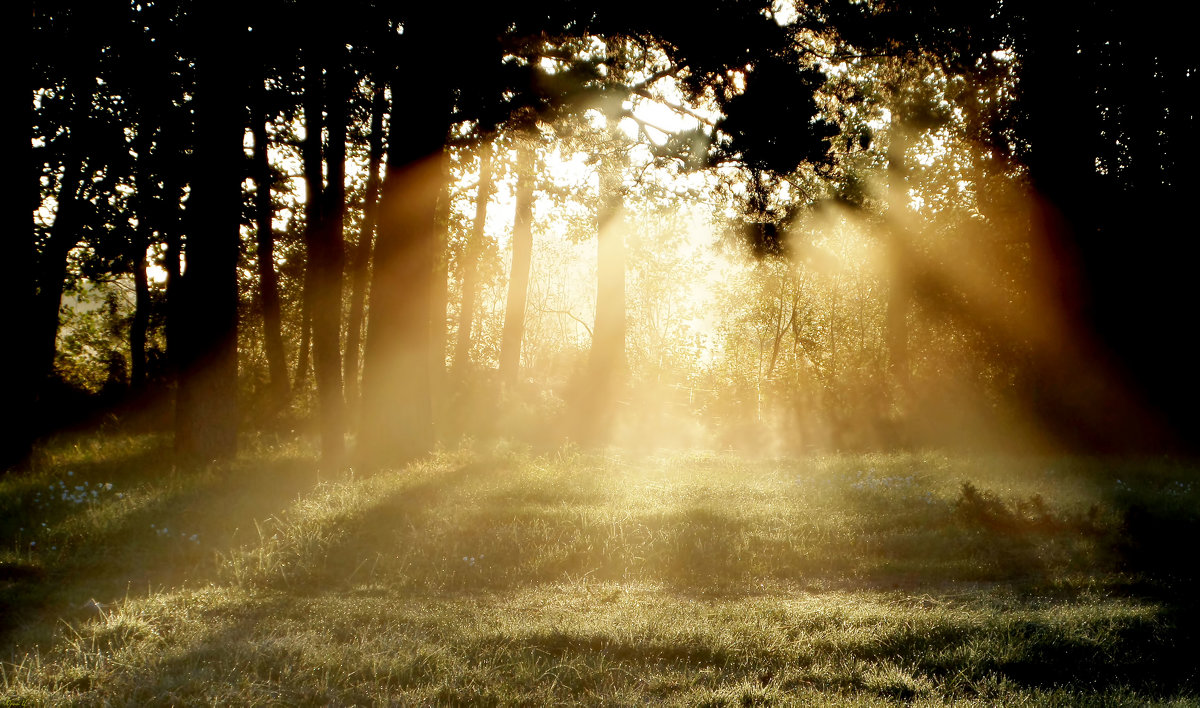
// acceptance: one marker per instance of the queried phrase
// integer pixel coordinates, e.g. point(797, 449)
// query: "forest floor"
point(494, 574)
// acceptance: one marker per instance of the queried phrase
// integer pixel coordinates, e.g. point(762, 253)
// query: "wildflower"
point(70, 473)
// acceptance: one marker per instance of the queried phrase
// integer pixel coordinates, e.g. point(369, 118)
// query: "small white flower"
point(70, 473)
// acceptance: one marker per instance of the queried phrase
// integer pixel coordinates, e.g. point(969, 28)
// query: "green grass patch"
point(493, 575)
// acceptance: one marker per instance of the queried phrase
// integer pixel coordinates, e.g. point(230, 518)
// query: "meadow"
point(496, 574)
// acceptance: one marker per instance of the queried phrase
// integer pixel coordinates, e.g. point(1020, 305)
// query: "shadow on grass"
point(158, 536)
point(960, 656)
point(369, 532)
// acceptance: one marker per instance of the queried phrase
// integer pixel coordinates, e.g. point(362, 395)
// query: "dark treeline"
point(287, 170)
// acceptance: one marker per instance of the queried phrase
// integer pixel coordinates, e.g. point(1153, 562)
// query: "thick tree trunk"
point(518, 277)
point(360, 267)
point(268, 278)
point(325, 257)
point(606, 360)
point(206, 407)
point(397, 420)
point(470, 265)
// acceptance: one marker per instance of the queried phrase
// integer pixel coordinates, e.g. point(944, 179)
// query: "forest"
point(815, 227)
point(804, 309)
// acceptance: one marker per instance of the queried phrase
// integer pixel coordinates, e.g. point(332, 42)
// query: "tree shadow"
point(104, 551)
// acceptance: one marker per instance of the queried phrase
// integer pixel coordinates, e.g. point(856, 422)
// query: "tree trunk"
point(898, 276)
point(470, 266)
point(304, 355)
point(206, 407)
point(397, 420)
point(360, 267)
point(268, 279)
point(325, 257)
point(518, 277)
point(17, 252)
point(64, 235)
point(606, 359)
point(171, 223)
point(141, 238)
point(439, 299)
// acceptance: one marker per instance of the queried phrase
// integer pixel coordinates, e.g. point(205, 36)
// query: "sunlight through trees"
point(825, 226)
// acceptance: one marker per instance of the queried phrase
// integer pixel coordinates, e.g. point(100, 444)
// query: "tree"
point(19, 289)
point(396, 422)
point(326, 88)
point(268, 278)
point(471, 253)
point(1103, 120)
point(518, 278)
point(360, 265)
point(206, 405)
point(606, 360)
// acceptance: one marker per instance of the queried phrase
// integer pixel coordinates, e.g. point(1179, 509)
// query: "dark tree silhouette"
point(360, 263)
point(206, 406)
point(397, 420)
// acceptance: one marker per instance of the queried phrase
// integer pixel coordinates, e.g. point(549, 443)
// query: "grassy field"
point(497, 575)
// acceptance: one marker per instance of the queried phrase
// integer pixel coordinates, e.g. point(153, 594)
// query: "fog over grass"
point(499, 574)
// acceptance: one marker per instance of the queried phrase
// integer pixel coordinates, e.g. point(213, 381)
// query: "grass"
point(494, 575)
